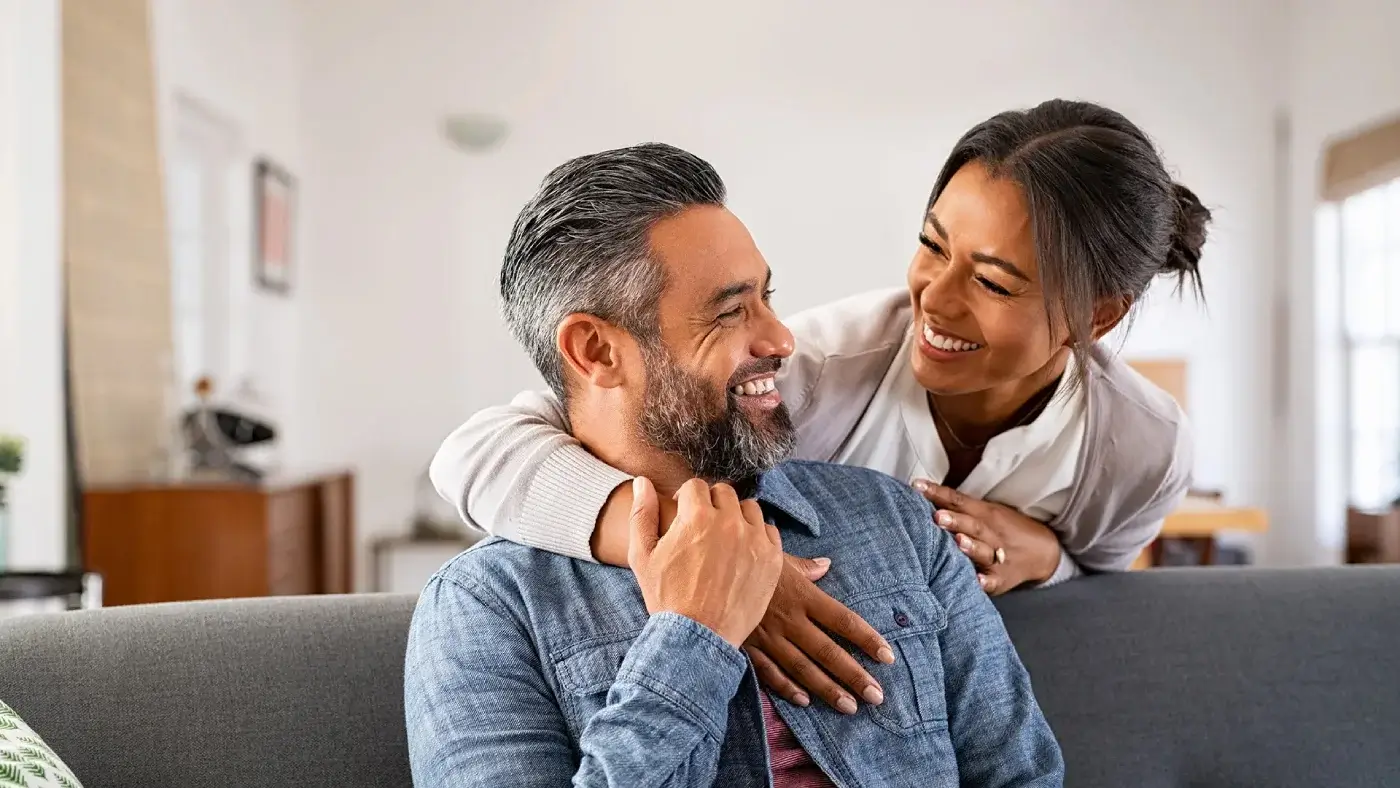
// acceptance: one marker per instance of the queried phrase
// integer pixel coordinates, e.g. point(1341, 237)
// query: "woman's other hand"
point(1008, 548)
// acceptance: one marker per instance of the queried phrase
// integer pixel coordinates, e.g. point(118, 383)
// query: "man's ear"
point(1109, 313)
point(592, 349)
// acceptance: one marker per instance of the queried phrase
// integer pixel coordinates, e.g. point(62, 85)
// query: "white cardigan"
point(1103, 466)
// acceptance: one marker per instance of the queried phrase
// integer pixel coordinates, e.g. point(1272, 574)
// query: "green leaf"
point(11, 454)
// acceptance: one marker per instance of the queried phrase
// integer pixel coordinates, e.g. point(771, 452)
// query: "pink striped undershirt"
point(792, 766)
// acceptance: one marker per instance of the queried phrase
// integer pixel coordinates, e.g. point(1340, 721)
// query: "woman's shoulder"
point(1125, 403)
point(1134, 468)
point(867, 322)
point(1136, 433)
point(843, 350)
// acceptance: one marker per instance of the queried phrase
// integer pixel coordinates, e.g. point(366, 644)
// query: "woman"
point(1051, 456)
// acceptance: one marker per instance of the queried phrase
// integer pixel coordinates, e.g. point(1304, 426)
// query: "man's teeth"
point(948, 343)
point(753, 388)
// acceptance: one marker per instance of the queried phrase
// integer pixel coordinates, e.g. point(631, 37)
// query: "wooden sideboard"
point(197, 540)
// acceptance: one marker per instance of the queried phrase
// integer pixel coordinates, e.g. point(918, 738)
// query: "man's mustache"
point(750, 369)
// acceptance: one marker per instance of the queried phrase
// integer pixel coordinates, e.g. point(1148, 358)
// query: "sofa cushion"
point(25, 760)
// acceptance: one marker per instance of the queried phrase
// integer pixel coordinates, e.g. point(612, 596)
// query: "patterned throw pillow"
point(25, 761)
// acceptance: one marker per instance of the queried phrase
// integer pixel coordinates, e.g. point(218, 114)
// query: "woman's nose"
point(943, 295)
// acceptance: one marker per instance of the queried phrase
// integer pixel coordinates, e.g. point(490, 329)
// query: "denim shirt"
point(526, 668)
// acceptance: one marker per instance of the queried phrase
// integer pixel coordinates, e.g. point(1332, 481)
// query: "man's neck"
point(626, 449)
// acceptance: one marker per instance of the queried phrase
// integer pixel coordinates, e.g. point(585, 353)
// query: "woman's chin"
point(939, 378)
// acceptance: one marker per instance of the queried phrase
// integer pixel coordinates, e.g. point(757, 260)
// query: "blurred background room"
point(249, 248)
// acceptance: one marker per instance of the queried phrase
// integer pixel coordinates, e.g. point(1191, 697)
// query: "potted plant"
point(11, 461)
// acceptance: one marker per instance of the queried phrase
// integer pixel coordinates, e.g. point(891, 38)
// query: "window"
point(1366, 229)
point(200, 167)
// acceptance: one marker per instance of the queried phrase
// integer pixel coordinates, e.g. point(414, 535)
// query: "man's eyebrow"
point(729, 291)
point(737, 289)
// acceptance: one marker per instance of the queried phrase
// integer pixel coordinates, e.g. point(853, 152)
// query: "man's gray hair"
point(582, 245)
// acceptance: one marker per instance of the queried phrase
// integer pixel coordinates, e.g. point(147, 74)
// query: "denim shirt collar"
point(776, 491)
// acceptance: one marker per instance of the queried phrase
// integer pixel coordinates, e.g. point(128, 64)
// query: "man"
point(644, 303)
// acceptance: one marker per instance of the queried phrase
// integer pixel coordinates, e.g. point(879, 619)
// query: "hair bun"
point(1189, 234)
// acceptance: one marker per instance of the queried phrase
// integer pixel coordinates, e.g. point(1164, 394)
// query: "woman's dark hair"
point(1105, 215)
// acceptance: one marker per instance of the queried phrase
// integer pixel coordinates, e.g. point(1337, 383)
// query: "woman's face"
point(979, 313)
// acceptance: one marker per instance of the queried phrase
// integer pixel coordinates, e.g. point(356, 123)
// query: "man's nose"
point(772, 339)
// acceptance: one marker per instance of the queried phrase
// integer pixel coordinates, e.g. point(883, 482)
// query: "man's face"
point(709, 396)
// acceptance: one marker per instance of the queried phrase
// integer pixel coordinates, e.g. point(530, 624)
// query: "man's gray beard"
point(718, 442)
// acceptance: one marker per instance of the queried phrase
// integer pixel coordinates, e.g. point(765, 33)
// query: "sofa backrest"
point(1162, 678)
point(1216, 676)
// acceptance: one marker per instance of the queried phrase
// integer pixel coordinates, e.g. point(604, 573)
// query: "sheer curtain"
point(1359, 231)
point(1368, 226)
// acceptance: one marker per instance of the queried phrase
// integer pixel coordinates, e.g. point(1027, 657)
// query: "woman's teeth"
point(948, 343)
point(753, 388)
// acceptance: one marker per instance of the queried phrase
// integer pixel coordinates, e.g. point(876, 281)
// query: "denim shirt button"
point(900, 618)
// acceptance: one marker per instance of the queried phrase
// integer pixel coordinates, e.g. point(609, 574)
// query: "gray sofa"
point(1204, 677)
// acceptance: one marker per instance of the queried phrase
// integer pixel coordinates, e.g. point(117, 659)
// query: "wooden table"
point(1200, 520)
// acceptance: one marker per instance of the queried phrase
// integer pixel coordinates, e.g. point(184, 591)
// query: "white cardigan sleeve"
point(515, 472)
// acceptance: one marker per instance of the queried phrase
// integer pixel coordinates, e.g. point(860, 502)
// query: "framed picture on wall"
point(274, 200)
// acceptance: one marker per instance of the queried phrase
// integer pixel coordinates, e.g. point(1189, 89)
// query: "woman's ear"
point(592, 349)
point(1109, 313)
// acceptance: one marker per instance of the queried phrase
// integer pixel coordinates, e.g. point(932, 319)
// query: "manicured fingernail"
point(944, 519)
point(964, 542)
point(873, 695)
point(824, 563)
point(846, 705)
point(921, 485)
point(802, 700)
point(982, 581)
point(885, 655)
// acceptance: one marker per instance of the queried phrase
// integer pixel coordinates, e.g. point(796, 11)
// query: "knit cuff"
point(562, 503)
point(1067, 569)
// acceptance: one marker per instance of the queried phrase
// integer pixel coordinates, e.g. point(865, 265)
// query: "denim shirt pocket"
point(910, 619)
point(586, 671)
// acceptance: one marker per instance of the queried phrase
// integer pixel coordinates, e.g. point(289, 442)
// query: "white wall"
point(31, 386)
point(1345, 75)
point(829, 122)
